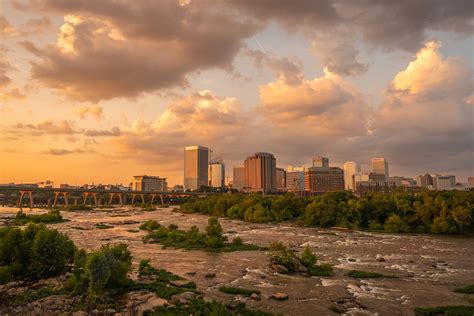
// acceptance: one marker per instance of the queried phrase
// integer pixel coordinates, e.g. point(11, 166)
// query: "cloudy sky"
point(99, 91)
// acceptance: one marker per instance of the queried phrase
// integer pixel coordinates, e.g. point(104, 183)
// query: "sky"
point(100, 91)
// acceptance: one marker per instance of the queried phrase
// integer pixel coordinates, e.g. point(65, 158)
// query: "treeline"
point(438, 212)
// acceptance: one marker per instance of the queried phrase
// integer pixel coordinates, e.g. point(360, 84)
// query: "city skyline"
point(89, 95)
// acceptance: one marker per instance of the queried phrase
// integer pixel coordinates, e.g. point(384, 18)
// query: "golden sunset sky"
point(99, 91)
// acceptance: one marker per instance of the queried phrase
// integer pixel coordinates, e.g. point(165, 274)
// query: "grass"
point(454, 310)
point(103, 226)
point(33, 295)
point(80, 207)
point(367, 275)
point(465, 290)
point(238, 291)
point(200, 307)
point(161, 281)
point(320, 270)
point(133, 230)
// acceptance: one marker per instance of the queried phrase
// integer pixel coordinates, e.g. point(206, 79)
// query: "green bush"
point(466, 290)
point(367, 274)
point(237, 290)
point(307, 257)
point(394, 224)
point(33, 253)
point(150, 225)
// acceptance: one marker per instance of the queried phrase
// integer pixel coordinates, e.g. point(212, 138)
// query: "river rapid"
point(428, 267)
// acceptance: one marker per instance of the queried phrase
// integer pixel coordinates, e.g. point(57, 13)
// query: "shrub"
point(237, 241)
point(445, 310)
point(237, 290)
point(466, 290)
point(34, 252)
point(150, 225)
point(307, 257)
point(215, 239)
point(367, 274)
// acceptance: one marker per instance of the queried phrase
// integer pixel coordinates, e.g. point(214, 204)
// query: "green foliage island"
point(437, 212)
point(211, 240)
point(284, 260)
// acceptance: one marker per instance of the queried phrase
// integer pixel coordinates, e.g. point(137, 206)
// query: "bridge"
point(93, 196)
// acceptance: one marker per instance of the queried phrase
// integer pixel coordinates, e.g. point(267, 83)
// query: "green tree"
point(462, 217)
point(394, 224)
point(308, 258)
point(214, 237)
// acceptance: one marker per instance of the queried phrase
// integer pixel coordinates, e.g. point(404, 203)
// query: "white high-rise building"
point(216, 174)
point(380, 166)
point(350, 169)
point(196, 161)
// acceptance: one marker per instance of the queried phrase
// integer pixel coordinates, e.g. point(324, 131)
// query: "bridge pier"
point(142, 197)
point(119, 195)
point(56, 196)
point(22, 194)
point(94, 196)
point(153, 196)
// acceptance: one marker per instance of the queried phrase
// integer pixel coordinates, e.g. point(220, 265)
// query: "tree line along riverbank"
point(437, 212)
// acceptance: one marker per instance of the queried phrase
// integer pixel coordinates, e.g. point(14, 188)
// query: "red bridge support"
point(59, 193)
point(114, 194)
point(22, 194)
point(134, 195)
point(94, 196)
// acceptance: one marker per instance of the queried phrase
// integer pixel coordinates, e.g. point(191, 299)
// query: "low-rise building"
point(149, 183)
point(444, 182)
point(295, 181)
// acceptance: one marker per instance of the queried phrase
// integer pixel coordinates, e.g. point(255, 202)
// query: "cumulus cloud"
point(122, 49)
point(12, 94)
point(426, 113)
point(335, 27)
point(92, 110)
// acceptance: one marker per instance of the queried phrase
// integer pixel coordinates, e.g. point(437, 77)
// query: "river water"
point(428, 267)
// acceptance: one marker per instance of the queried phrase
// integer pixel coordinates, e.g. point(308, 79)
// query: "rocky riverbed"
point(428, 267)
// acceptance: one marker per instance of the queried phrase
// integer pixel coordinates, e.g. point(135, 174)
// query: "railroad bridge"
point(95, 197)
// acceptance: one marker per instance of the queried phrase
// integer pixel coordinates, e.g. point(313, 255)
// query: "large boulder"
point(183, 297)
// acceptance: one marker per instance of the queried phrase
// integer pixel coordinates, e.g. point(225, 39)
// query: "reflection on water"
point(429, 267)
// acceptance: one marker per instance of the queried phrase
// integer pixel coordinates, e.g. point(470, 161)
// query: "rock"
point(79, 313)
point(379, 258)
point(210, 275)
point(300, 267)
point(280, 296)
point(183, 297)
point(351, 260)
point(52, 302)
point(255, 297)
point(110, 311)
point(139, 301)
point(179, 283)
point(280, 269)
point(233, 305)
point(191, 273)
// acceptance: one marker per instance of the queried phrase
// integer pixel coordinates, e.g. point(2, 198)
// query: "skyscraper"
point(350, 169)
point(217, 174)
point(380, 166)
point(260, 173)
point(280, 179)
point(320, 162)
point(238, 177)
point(196, 161)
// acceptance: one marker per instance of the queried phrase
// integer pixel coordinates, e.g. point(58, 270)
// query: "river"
point(428, 267)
